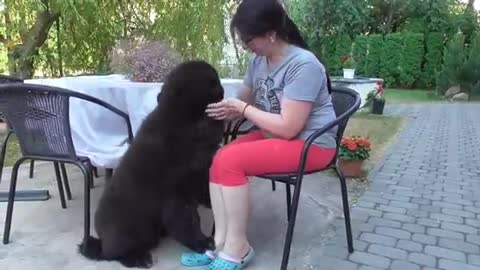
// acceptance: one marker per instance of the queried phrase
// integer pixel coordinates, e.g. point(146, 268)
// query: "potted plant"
point(353, 151)
point(348, 64)
point(378, 103)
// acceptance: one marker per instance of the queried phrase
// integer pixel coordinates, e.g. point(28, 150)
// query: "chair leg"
point(3, 153)
point(291, 224)
point(108, 174)
point(274, 187)
point(289, 200)
point(88, 175)
point(61, 192)
point(346, 211)
point(95, 172)
point(32, 164)
point(11, 200)
point(65, 181)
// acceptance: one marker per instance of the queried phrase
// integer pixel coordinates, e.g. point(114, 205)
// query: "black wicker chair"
point(9, 79)
point(346, 102)
point(39, 116)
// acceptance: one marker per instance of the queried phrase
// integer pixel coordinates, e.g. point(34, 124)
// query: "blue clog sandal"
point(192, 259)
point(225, 262)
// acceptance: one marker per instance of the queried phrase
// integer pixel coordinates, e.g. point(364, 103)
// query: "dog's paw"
point(204, 244)
point(138, 260)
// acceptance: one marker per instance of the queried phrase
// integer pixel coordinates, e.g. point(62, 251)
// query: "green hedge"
point(360, 48)
point(335, 48)
point(390, 65)
point(433, 58)
point(411, 59)
point(374, 59)
point(453, 61)
point(403, 59)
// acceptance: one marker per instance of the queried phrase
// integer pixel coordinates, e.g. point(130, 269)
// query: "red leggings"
point(253, 154)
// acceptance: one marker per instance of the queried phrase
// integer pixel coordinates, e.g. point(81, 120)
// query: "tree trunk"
point(21, 57)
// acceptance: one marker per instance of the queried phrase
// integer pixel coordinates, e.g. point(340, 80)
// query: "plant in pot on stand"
point(378, 103)
point(352, 154)
point(348, 64)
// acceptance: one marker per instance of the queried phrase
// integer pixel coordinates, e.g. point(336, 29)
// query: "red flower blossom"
point(352, 146)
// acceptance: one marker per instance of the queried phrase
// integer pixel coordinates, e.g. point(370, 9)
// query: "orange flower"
point(352, 146)
point(362, 142)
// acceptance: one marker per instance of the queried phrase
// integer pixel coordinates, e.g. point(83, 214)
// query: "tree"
point(454, 58)
point(470, 76)
point(90, 28)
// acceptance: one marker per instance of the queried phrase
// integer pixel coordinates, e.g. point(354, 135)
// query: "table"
point(100, 134)
point(361, 85)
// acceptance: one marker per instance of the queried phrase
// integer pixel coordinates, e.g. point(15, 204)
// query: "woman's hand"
point(229, 108)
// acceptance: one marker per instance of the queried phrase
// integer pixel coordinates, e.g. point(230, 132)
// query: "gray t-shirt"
point(299, 77)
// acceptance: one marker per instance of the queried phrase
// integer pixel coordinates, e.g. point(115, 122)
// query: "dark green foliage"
point(453, 61)
point(390, 66)
point(360, 48)
point(433, 58)
point(375, 45)
point(411, 59)
point(470, 76)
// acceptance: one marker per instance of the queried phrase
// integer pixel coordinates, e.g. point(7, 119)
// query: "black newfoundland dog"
point(163, 176)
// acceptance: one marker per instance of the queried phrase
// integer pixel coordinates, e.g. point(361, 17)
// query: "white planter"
point(349, 73)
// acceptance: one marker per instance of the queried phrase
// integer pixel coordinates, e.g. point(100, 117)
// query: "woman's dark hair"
point(255, 18)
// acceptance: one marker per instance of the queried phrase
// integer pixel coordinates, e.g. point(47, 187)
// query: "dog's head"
point(190, 87)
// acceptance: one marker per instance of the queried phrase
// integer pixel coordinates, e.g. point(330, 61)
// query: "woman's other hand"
point(229, 108)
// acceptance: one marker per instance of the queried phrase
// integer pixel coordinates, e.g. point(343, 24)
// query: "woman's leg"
point(231, 167)
point(216, 194)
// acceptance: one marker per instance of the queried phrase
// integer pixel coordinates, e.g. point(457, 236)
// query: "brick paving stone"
point(422, 211)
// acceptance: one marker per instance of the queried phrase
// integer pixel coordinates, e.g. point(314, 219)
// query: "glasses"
point(245, 41)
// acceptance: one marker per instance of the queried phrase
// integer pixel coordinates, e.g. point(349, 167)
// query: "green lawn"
point(13, 149)
point(381, 131)
point(411, 95)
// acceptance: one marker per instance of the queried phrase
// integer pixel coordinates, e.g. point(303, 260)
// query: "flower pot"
point(351, 168)
point(378, 105)
point(348, 73)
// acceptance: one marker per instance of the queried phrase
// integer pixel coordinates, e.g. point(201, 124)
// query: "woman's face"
point(260, 45)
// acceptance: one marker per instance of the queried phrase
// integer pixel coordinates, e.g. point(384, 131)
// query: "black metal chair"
point(39, 116)
point(9, 79)
point(345, 102)
point(26, 195)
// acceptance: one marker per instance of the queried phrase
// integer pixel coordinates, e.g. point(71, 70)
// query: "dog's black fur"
point(163, 176)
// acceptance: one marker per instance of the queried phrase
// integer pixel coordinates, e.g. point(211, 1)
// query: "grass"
point(381, 131)
point(13, 149)
point(410, 95)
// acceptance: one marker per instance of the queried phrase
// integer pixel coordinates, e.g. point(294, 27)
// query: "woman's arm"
point(246, 94)
point(287, 124)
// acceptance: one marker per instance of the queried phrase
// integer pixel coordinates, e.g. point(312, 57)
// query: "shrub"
point(148, 61)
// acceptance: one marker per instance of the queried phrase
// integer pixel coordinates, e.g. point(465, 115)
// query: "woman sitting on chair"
point(286, 96)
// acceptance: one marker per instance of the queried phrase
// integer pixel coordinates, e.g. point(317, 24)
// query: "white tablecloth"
point(100, 134)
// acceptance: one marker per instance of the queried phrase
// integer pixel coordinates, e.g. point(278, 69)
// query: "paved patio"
point(45, 236)
point(420, 212)
point(422, 207)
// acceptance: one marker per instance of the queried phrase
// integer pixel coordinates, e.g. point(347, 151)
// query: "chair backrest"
point(39, 116)
point(9, 79)
point(345, 103)
point(6, 79)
